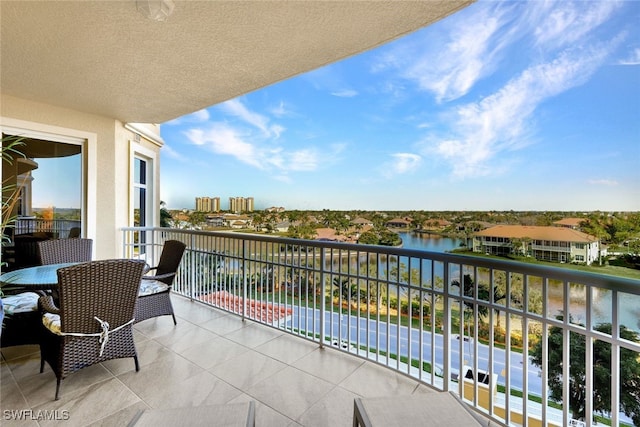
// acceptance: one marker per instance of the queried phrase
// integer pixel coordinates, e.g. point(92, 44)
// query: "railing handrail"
point(235, 265)
point(600, 280)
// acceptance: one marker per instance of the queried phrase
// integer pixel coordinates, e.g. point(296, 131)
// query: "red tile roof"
point(561, 234)
point(265, 311)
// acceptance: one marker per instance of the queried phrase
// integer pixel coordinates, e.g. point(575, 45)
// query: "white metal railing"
point(426, 315)
point(57, 227)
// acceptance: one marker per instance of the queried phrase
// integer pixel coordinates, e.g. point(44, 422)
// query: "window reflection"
point(48, 180)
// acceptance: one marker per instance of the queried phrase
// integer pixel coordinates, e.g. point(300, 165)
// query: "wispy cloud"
point(401, 163)
point(170, 152)
point(449, 63)
point(258, 144)
point(606, 182)
point(345, 93)
point(221, 138)
point(500, 122)
point(281, 110)
point(568, 22)
point(235, 108)
point(632, 59)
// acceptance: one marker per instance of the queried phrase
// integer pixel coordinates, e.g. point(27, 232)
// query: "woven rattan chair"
point(57, 251)
point(21, 325)
point(72, 338)
point(155, 290)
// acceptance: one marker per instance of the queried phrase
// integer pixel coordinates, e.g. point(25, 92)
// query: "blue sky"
point(504, 105)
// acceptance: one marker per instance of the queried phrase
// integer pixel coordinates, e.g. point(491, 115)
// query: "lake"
point(429, 242)
point(629, 310)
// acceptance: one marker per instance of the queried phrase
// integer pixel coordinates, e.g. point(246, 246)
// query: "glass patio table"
point(41, 277)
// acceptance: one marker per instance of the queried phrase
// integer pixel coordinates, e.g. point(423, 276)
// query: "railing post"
point(193, 277)
point(446, 331)
point(244, 280)
point(323, 293)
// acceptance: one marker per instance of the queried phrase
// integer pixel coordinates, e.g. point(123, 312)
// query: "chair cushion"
point(52, 322)
point(150, 287)
point(20, 303)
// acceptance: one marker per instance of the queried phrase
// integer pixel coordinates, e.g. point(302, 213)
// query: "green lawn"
point(610, 270)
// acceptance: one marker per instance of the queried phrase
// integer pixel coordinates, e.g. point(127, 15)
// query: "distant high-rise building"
point(208, 204)
point(241, 204)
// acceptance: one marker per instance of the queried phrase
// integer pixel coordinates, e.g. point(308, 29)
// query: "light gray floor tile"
point(90, 404)
point(335, 409)
point(265, 416)
point(253, 335)
point(214, 352)
point(224, 324)
point(247, 369)
point(122, 417)
point(371, 380)
point(287, 348)
point(199, 390)
point(328, 364)
point(185, 337)
point(290, 392)
point(160, 376)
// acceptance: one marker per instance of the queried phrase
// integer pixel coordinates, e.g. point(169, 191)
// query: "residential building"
point(240, 204)
point(570, 223)
point(557, 244)
point(276, 209)
point(208, 204)
point(435, 224)
point(399, 223)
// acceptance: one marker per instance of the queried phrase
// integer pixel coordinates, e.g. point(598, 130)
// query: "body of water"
point(629, 310)
point(429, 242)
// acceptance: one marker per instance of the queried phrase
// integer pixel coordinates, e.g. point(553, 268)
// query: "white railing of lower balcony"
point(501, 334)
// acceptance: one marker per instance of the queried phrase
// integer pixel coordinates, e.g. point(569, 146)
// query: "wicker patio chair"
point(26, 250)
point(94, 320)
point(155, 290)
point(21, 323)
point(74, 232)
point(57, 251)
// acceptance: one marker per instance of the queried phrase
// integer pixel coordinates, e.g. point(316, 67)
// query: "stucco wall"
point(107, 162)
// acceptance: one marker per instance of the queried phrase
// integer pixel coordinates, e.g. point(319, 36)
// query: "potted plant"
point(10, 196)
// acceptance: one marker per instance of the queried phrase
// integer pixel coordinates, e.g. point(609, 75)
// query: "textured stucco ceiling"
point(105, 58)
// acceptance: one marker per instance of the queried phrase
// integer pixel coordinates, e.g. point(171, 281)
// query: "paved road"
point(364, 332)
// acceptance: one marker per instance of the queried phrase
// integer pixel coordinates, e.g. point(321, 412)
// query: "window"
point(143, 203)
point(49, 183)
point(579, 245)
point(579, 258)
point(140, 199)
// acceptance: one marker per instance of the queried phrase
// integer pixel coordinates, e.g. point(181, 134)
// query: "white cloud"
point(223, 139)
point(170, 152)
point(633, 58)
point(564, 23)
point(500, 122)
point(606, 182)
point(401, 163)
point(345, 93)
point(303, 160)
point(235, 108)
point(448, 63)
point(281, 110)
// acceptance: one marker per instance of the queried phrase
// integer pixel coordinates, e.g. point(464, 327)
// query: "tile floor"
point(209, 358)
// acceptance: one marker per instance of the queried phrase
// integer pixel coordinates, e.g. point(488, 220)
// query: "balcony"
point(303, 327)
point(211, 357)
